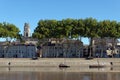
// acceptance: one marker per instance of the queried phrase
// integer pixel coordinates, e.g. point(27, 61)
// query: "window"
point(27, 34)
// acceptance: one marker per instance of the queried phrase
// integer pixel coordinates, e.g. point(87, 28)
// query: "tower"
point(26, 30)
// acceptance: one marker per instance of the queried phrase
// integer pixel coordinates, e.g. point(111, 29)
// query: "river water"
point(46, 73)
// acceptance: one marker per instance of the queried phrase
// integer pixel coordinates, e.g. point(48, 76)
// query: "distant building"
point(26, 38)
point(63, 48)
point(52, 50)
point(30, 40)
point(17, 51)
point(26, 30)
point(104, 47)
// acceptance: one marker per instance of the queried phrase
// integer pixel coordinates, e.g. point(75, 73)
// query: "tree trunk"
point(91, 47)
point(102, 47)
point(113, 47)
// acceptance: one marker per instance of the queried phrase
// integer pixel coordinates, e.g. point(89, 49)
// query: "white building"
point(17, 51)
point(104, 47)
point(73, 48)
point(64, 48)
point(52, 50)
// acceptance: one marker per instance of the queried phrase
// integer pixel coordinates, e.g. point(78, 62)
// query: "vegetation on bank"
point(9, 31)
point(74, 28)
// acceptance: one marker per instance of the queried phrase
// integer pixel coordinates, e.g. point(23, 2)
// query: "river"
point(47, 73)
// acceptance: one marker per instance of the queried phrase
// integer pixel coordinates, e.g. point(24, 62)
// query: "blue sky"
point(31, 11)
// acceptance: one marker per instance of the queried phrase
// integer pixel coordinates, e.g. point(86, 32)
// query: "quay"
point(55, 62)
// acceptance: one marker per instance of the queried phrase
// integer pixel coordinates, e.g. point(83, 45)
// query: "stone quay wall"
point(54, 62)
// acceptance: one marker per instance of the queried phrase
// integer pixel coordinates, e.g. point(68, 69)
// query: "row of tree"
point(9, 31)
point(73, 28)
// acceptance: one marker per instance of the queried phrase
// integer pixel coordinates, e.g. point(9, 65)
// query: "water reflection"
point(36, 73)
point(58, 76)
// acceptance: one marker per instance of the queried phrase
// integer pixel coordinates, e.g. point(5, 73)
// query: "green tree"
point(114, 34)
point(67, 27)
point(59, 30)
point(75, 33)
point(52, 26)
point(41, 31)
point(91, 31)
point(10, 31)
point(118, 30)
point(108, 29)
point(80, 28)
point(103, 28)
point(1, 30)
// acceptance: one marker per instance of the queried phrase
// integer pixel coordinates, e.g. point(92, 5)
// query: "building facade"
point(65, 48)
point(101, 48)
point(105, 47)
point(17, 51)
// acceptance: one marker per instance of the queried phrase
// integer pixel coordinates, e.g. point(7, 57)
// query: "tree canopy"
point(8, 30)
point(73, 28)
